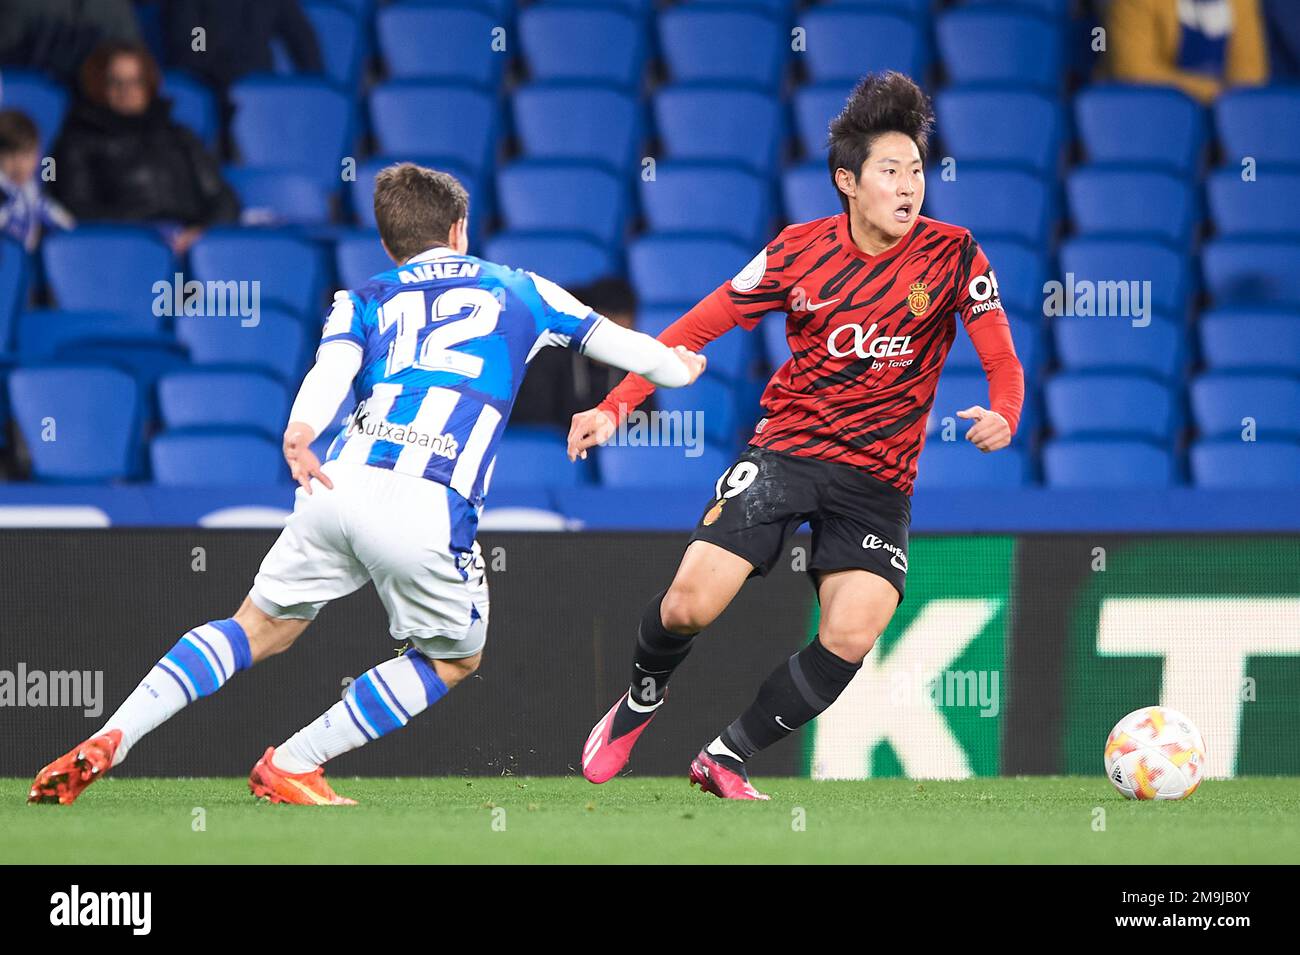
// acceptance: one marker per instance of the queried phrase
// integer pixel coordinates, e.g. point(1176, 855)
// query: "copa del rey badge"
point(918, 299)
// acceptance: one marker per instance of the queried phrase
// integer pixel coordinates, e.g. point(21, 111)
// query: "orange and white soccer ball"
point(1155, 753)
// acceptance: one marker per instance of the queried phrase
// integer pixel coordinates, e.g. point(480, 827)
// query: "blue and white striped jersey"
point(445, 340)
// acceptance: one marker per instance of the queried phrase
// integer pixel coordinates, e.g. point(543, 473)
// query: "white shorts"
point(413, 537)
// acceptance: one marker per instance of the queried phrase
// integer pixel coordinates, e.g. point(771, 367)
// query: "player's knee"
point(684, 611)
point(851, 643)
point(452, 672)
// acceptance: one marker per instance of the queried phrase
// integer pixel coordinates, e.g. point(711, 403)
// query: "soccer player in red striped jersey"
point(871, 297)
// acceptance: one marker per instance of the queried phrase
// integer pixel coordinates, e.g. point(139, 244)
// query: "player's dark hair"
point(17, 132)
point(880, 103)
point(416, 207)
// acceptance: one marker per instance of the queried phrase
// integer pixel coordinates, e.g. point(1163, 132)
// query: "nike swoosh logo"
point(783, 726)
point(813, 308)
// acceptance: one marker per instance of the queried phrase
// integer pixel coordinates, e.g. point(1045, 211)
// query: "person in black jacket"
point(236, 38)
point(122, 158)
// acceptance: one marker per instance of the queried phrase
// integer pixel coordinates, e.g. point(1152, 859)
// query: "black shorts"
point(857, 521)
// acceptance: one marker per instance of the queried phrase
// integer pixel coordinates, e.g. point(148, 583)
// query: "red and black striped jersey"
point(868, 337)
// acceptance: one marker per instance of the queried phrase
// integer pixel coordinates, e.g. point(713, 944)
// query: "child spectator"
point(25, 209)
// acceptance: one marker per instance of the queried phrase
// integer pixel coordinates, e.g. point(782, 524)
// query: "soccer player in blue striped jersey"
point(437, 348)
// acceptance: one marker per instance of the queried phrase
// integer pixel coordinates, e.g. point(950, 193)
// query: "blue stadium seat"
point(361, 191)
point(587, 44)
point(276, 344)
point(1268, 205)
point(42, 333)
point(279, 197)
point(1141, 126)
point(708, 197)
point(1222, 403)
point(567, 260)
point(445, 122)
point(1002, 44)
point(554, 121)
point(95, 412)
point(215, 457)
point(145, 358)
point(709, 406)
point(289, 270)
point(558, 196)
point(844, 43)
point(993, 202)
point(815, 105)
point(409, 34)
point(1001, 125)
point(1120, 260)
point(957, 464)
point(1052, 8)
point(107, 267)
point(730, 356)
point(669, 270)
point(1260, 123)
point(1135, 202)
point(1251, 339)
point(193, 105)
point(1028, 339)
point(721, 124)
point(528, 456)
point(914, 8)
point(300, 124)
point(215, 398)
point(958, 390)
point(342, 36)
point(1116, 345)
point(1245, 464)
point(1110, 406)
point(1240, 270)
point(39, 97)
point(13, 288)
point(358, 256)
point(1021, 270)
point(723, 45)
point(1107, 464)
point(807, 192)
point(625, 466)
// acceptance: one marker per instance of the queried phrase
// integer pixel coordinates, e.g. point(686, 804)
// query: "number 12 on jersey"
point(442, 329)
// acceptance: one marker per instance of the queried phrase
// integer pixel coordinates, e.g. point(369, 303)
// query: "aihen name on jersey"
point(371, 425)
point(412, 273)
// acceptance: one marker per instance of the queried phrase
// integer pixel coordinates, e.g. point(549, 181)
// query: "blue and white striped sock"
point(381, 700)
point(199, 665)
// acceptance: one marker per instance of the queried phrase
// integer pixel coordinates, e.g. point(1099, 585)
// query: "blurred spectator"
point(1199, 46)
point(25, 209)
point(1283, 19)
point(560, 382)
point(57, 35)
point(121, 157)
point(237, 38)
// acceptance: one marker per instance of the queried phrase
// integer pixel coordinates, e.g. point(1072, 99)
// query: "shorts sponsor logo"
point(896, 555)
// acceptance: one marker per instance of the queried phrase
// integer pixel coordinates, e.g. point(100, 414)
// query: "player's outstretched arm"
point(322, 391)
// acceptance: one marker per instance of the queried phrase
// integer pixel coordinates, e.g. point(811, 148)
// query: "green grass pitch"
point(521, 819)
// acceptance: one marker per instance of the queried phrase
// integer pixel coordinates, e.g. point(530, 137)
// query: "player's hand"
point(302, 461)
point(990, 431)
point(588, 429)
point(694, 362)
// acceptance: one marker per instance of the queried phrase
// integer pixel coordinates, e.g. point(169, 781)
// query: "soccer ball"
point(1155, 753)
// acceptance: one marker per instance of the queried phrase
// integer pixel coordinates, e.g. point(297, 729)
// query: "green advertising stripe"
point(929, 701)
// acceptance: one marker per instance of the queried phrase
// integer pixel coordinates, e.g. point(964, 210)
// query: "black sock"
point(795, 693)
point(659, 651)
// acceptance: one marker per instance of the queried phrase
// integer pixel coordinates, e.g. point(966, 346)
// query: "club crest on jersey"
point(714, 513)
point(918, 299)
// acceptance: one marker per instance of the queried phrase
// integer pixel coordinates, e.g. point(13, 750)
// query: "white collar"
point(428, 255)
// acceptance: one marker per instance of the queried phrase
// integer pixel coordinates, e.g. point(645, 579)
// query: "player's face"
point(890, 188)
